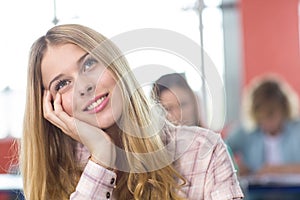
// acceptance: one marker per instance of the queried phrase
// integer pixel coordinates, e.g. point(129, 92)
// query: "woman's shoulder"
point(199, 134)
point(196, 139)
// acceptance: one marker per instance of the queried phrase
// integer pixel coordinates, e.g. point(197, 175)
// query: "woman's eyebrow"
point(80, 60)
point(55, 78)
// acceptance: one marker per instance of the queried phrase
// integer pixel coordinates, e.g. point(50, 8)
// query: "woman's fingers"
point(69, 122)
point(49, 112)
point(47, 105)
point(55, 114)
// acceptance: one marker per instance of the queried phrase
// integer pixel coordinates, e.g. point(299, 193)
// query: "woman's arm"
point(96, 182)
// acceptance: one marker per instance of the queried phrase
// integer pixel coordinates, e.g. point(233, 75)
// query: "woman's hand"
point(95, 139)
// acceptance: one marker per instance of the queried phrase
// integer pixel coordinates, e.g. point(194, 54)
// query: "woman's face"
point(88, 89)
point(180, 106)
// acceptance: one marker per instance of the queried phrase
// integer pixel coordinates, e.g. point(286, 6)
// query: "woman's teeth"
point(96, 103)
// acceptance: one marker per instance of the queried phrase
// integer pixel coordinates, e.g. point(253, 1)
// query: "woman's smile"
point(89, 91)
point(97, 104)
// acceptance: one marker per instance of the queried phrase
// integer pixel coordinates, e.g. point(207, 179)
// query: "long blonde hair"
point(47, 158)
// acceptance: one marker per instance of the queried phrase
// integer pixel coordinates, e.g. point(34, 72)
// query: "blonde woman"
point(89, 132)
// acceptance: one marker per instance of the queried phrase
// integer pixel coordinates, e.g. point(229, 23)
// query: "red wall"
point(8, 155)
point(271, 39)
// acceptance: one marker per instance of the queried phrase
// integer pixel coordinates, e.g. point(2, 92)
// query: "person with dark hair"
point(272, 143)
point(179, 100)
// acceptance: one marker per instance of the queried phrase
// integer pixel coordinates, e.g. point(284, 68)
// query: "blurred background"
point(242, 38)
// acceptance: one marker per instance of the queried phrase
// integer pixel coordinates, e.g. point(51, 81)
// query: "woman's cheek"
point(67, 103)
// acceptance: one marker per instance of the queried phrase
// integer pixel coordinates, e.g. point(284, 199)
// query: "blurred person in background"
point(269, 140)
point(179, 100)
point(173, 92)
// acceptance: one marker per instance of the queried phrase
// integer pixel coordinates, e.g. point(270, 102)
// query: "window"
point(110, 18)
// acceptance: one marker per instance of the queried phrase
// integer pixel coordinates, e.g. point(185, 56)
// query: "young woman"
point(179, 100)
point(89, 132)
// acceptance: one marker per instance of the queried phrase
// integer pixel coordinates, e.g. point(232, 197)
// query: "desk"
point(271, 187)
point(11, 187)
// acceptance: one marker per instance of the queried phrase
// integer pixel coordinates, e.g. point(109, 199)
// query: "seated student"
point(91, 133)
point(272, 145)
point(179, 100)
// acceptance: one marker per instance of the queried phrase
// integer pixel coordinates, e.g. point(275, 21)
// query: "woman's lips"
point(97, 104)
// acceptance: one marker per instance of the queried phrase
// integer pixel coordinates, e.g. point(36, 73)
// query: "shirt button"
point(107, 195)
point(112, 181)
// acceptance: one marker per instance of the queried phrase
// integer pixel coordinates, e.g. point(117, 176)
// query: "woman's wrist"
point(91, 158)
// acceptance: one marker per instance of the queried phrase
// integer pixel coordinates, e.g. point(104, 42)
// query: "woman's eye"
point(61, 84)
point(90, 62)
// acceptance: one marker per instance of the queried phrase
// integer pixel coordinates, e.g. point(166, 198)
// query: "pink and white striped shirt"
point(201, 157)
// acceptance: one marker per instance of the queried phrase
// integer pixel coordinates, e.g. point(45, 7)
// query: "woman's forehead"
point(60, 59)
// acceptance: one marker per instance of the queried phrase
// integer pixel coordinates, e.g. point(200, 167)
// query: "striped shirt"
point(200, 156)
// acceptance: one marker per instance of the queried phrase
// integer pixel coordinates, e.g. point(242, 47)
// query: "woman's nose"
point(87, 90)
